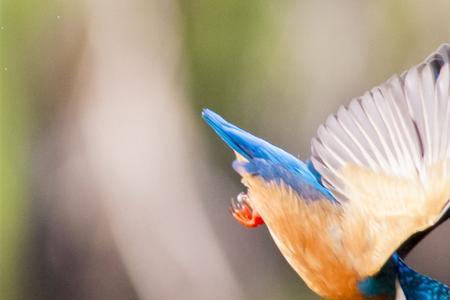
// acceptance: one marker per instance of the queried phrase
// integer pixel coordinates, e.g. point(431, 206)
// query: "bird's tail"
point(264, 159)
point(246, 144)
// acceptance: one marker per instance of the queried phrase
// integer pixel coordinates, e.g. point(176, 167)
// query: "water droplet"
point(5, 68)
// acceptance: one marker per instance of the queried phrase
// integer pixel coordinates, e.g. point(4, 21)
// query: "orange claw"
point(244, 213)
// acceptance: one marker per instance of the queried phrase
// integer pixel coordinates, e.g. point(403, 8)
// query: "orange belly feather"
point(308, 237)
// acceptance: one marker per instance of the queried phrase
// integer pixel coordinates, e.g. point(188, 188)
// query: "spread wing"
point(386, 158)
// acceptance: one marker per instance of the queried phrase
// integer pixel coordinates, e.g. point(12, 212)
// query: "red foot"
point(243, 212)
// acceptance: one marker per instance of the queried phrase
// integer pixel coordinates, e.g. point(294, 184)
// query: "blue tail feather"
point(248, 145)
point(267, 160)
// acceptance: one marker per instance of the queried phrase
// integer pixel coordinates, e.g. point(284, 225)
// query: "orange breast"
point(308, 236)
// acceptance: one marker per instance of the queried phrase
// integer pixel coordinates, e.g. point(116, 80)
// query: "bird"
point(377, 182)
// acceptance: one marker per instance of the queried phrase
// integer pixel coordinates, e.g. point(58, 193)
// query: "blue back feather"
point(382, 284)
point(415, 286)
point(418, 286)
point(267, 160)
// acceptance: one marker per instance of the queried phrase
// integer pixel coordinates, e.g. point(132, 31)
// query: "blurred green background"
point(111, 187)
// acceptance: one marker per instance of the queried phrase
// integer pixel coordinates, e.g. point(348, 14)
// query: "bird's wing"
point(386, 158)
point(416, 238)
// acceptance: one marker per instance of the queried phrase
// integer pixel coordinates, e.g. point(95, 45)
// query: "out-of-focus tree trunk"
point(14, 133)
point(135, 128)
point(118, 212)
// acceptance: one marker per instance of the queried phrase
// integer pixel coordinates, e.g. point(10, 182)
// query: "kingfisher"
point(377, 182)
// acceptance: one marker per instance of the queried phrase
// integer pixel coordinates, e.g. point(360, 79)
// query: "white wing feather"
point(400, 128)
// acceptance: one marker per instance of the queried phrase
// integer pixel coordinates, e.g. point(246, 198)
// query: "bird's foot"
point(244, 213)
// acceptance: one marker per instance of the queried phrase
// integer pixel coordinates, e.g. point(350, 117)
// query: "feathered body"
point(306, 234)
point(379, 173)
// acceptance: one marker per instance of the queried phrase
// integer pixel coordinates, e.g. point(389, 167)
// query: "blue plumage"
point(369, 154)
point(276, 172)
point(382, 284)
point(276, 165)
point(417, 286)
point(268, 161)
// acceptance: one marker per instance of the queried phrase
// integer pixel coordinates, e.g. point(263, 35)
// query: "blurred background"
point(111, 187)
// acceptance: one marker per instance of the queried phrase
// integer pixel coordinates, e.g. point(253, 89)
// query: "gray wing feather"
point(399, 128)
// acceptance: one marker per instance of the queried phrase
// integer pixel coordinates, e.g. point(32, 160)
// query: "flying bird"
point(377, 182)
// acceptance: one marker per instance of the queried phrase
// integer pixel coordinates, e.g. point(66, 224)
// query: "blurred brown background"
point(111, 187)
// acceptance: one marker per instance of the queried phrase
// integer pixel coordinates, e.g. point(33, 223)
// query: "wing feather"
point(386, 158)
point(400, 128)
